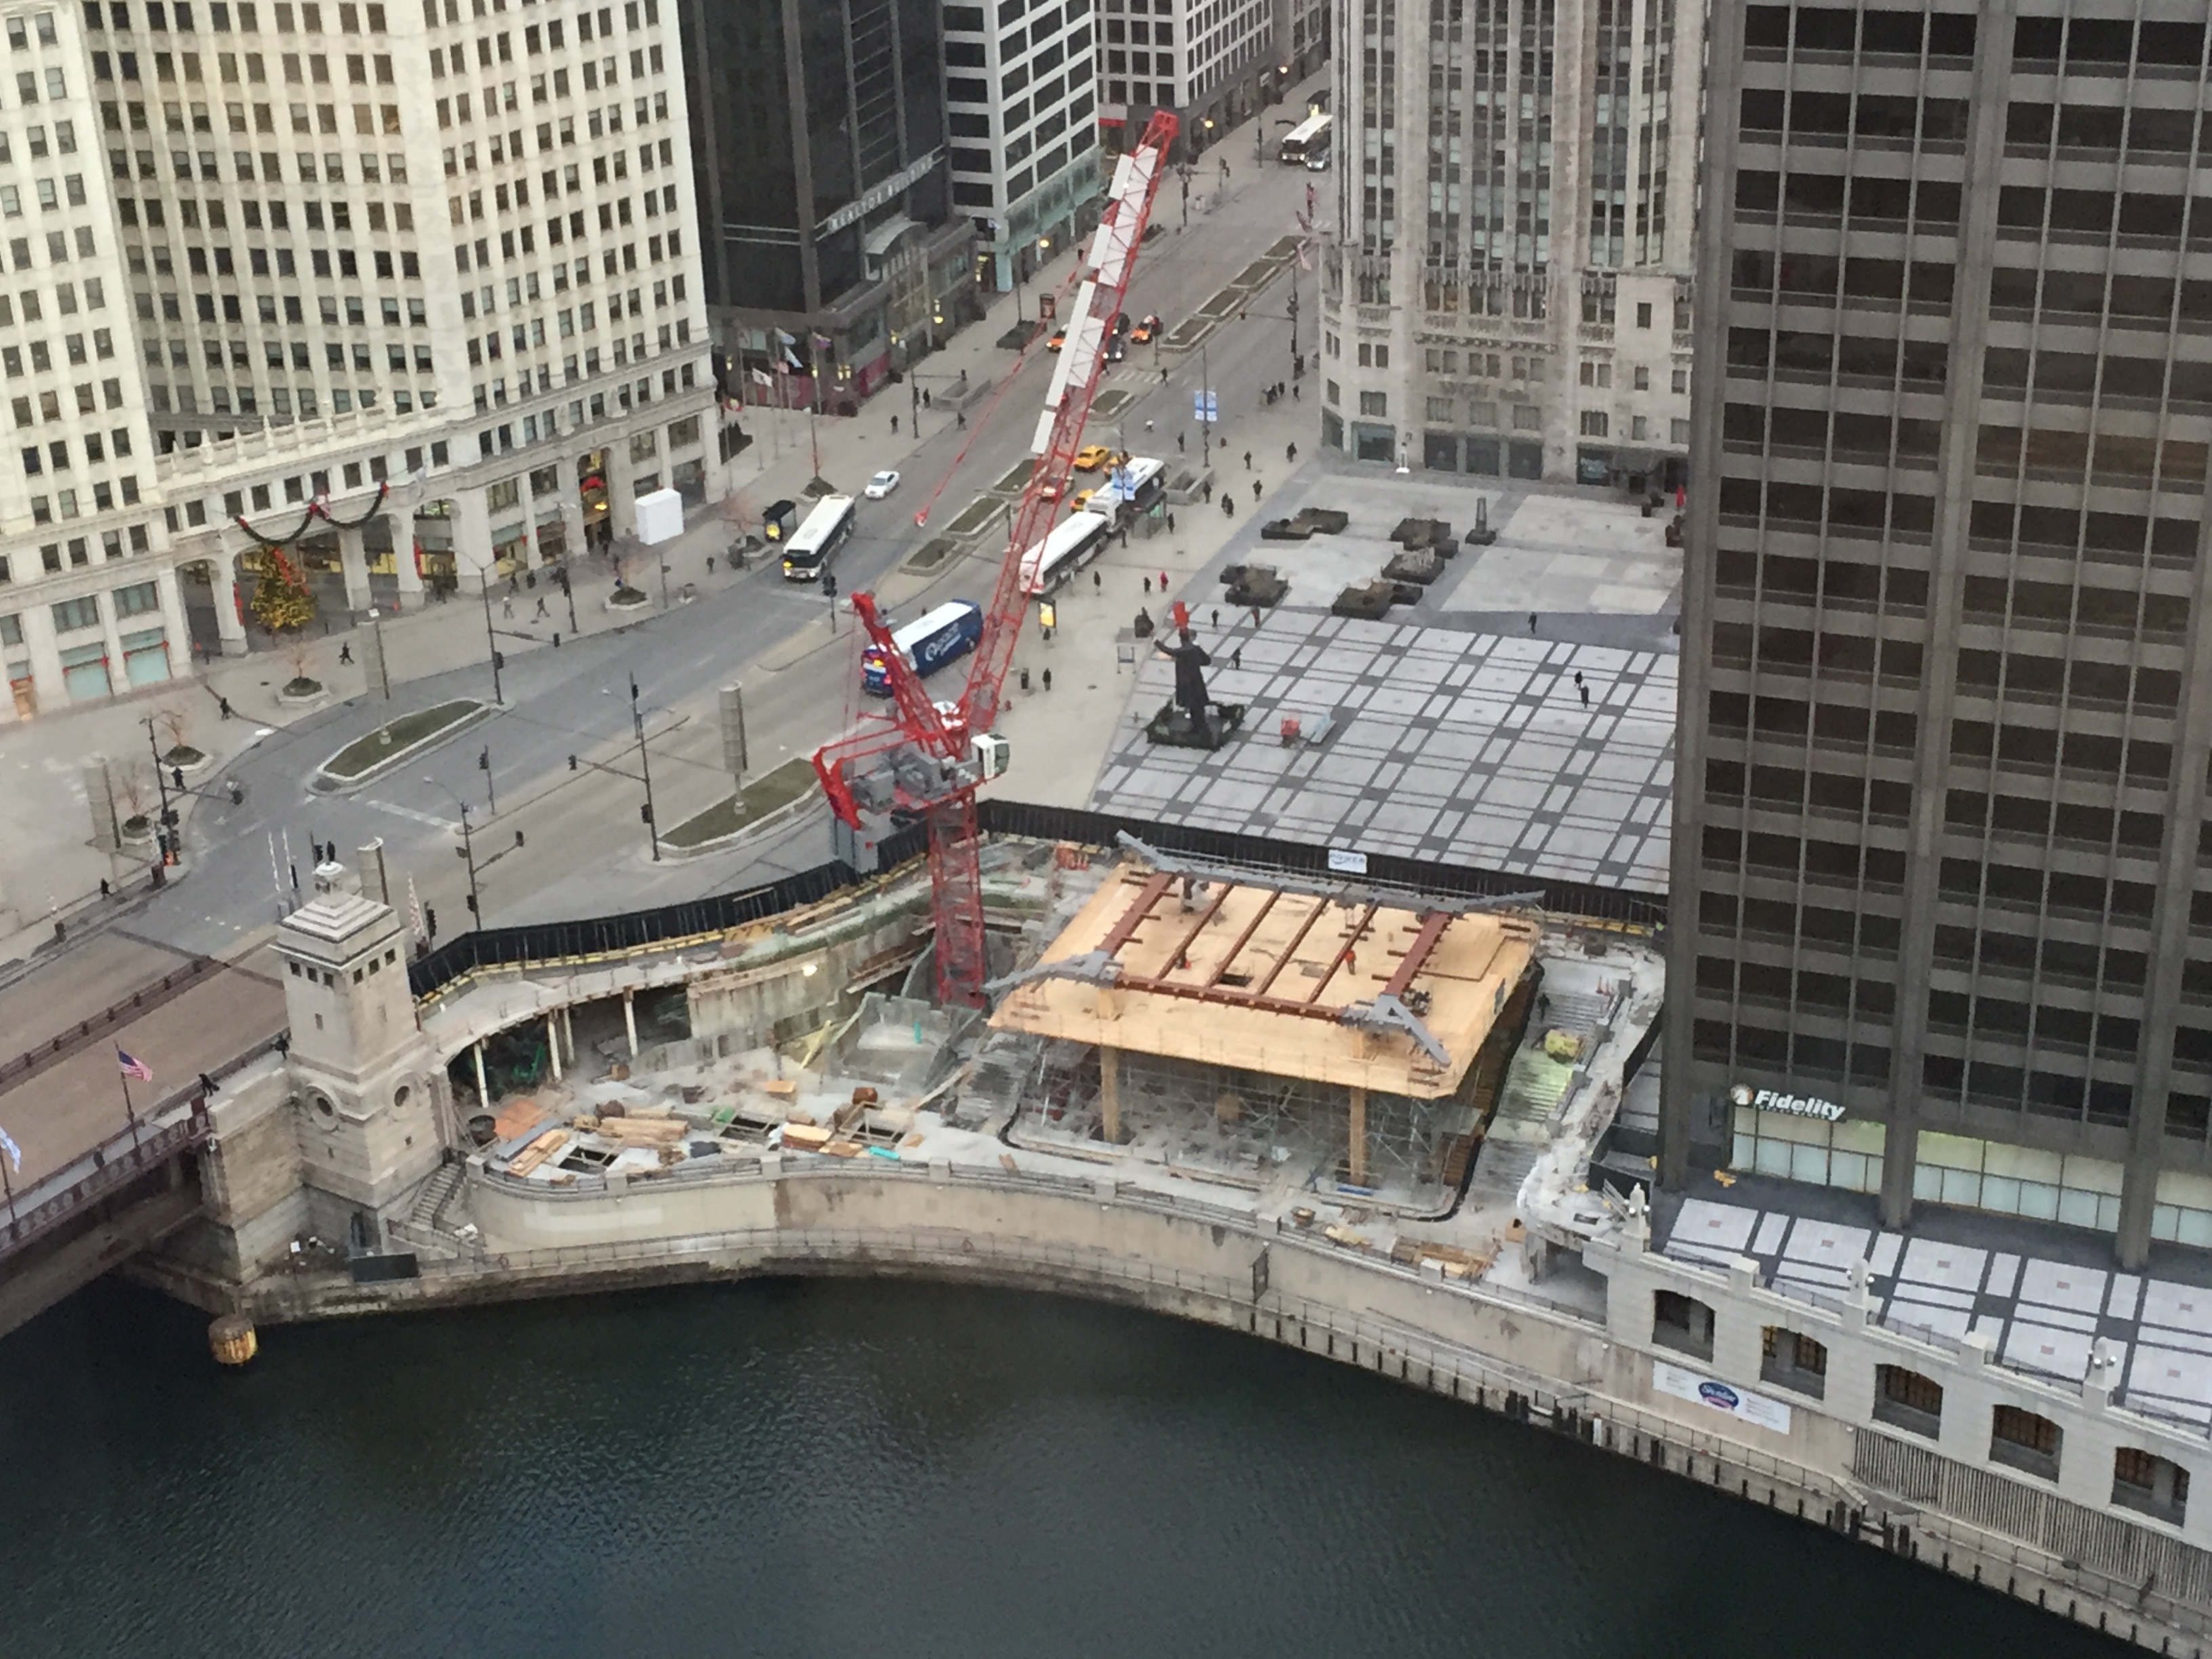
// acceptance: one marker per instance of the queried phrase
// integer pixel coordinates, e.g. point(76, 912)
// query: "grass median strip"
point(364, 754)
point(763, 795)
point(930, 555)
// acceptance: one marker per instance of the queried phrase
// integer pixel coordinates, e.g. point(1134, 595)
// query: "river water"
point(852, 1468)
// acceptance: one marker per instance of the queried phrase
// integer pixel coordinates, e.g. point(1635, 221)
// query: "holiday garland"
point(281, 599)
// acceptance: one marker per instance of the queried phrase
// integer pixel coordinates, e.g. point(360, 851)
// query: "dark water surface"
point(835, 1468)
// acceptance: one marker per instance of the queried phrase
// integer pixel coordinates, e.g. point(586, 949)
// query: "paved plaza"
point(1446, 735)
point(2037, 1291)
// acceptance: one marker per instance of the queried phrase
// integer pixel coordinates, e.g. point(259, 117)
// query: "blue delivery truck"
point(930, 641)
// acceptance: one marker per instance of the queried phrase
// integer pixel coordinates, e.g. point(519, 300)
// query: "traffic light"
point(828, 585)
point(556, 641)
point(572, 762)
point(483, 759)
point(644, 813)
point(471, 901)
point(430, 920)
point(499, 659)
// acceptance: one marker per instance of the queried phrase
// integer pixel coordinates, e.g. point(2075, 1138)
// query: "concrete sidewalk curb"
point(775, 819)
point(324, 782)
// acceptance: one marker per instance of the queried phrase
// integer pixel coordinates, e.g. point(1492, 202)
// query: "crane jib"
point(924, 758)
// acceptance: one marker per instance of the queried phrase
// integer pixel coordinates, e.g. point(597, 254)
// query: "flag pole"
point(10, 1186)
point(129, 1110)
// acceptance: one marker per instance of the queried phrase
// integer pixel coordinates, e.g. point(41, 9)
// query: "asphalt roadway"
point(585, 849)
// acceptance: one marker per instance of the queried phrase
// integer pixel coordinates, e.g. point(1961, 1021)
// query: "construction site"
point(1377, 1065)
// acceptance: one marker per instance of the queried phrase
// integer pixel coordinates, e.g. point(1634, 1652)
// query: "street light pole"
point(161, 825)
point(645, 767)
point(468, 849)
point(491, 640)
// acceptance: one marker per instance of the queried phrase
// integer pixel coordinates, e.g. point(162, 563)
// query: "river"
point(799, 1468)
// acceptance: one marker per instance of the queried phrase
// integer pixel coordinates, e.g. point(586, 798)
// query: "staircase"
point(436, 1193)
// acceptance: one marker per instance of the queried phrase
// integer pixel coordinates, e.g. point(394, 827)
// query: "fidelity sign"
point(1769, 1100)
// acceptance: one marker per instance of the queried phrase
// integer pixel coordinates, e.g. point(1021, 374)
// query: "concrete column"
point(1109, 1094)
point(402, 555)
point(568, 1031)
point(222, 588)
point(484, 1088)
point(1357, 1160)
point(174, 627)
point(111, 633)
point(629, 1020)
point(44, 652)
point(471, 538)
point(553, 1044)
point(353, 561)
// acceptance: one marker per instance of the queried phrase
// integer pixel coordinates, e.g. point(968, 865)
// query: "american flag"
point(136, 1068)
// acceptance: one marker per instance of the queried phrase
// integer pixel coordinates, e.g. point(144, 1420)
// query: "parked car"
point(881, 485)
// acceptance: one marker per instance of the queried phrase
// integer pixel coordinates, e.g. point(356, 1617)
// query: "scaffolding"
point(1247, 1128)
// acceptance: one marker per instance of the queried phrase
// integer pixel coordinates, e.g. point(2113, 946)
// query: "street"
point(584, 848)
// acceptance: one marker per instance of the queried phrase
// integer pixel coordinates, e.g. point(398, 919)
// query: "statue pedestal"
point(1174, 726)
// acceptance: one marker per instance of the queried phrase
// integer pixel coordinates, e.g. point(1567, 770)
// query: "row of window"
point(605, 14)
point(351, 19)
point(501, 440)
point(112, 545)
point(457, 111)
point(49, 404)
point(493, 394)
point(66, 504)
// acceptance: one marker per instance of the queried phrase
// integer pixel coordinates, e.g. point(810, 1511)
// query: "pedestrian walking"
point(1584, 689)
point(1255, 492)
point(1170, 524)
point(894, 426)
point(1255, 615)
point(1180, 448)
point(1163, 377)
point(1532, 622)
point(1164, 581)
point(960, 416)
point(541, 597)
point(345, 652)
point(1578, 677)
point(1098, 583)
point(1047, 679)
point(507, 606)
point(1290, 452)
point(1148, 585)
point(1228, 505)
point(1248, 460)
point(1236, 657)
point(223, 703)
point(1216, 617)
point(1209, 492)
point(1294, 392)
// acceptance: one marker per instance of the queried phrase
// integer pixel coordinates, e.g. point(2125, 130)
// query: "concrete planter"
point(303, 698)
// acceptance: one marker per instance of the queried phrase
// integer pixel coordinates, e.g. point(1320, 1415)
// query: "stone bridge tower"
point(367, 1084)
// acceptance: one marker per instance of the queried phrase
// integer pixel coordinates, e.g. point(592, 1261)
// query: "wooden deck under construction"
point(1240, 974)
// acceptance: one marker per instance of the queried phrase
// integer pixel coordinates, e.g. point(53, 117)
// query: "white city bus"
point(814, 545)
point(1071, 545)
point(1306, 145)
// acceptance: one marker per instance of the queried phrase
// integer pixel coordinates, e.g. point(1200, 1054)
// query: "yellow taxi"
point(1092, 456)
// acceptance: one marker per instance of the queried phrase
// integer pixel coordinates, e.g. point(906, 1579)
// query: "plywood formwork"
point(1236, 974)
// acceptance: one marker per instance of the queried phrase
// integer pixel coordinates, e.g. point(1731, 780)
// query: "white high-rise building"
point(1021, 90)
point(1506, 290)
point(267, 255)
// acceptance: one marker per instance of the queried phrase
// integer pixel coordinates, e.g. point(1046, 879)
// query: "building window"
point(1643, 379)
point(2150, 1485)
point(71, 615)
point(1595, 422)
point(1374, 403)
point(1796, 1363)
point(1644, 314)
point(1906, 1400)
point(1682, 1323)
point(1678, 432)
point(1440, 409)
point(1681, 381)
point(2022, 1440)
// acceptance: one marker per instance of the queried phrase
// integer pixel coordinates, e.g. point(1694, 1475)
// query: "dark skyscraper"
point(819, 142)
point(1946, 688)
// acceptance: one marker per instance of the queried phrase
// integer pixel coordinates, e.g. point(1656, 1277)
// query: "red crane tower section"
point(926, 757)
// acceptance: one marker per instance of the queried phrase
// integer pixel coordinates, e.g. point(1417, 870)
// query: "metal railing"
point(174, 1123)
point(32, 1060)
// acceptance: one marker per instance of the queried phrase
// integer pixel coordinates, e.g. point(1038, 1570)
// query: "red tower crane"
point(929, 757)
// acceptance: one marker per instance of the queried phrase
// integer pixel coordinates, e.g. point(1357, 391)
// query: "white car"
point(881, 485)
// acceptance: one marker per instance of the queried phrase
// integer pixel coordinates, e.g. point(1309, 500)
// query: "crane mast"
point(924, 756)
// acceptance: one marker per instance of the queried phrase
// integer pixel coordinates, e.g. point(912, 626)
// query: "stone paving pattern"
point(1449, 738)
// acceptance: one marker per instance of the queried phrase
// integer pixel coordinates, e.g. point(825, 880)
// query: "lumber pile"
point(805, 1136)
point(648, 1129)
point(544, 1146)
